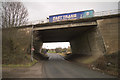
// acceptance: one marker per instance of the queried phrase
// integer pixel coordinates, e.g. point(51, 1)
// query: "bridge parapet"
point(67, 25)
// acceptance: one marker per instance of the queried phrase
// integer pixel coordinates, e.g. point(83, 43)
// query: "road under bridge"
point(89, 39)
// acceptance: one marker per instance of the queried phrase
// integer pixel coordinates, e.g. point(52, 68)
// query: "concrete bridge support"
point(96, 41)
point(88, 45)
point(37, 42)
point(109, 31)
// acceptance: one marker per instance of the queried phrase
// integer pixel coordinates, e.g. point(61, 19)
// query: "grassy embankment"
point(16, 47)
point(20, 65)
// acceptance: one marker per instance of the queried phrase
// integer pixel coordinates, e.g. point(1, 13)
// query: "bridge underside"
point(84, 40)
point(62, 34)
point(82, 37)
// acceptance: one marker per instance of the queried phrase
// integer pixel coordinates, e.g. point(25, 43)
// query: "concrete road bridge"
point(88, 36)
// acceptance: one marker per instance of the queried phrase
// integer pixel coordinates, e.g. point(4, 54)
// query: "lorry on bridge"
point(71, 16)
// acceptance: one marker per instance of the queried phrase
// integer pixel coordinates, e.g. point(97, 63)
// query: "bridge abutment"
point(89, 44)
point(109, 31)
point(97, 41)
point(37, 42)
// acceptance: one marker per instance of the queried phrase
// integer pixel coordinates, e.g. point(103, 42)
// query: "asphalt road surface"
point(57, 67)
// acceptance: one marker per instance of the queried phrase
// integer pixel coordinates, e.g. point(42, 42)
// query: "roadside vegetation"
point(61, 51)
point(15, 46)
point(29, 64)
point(16, 42)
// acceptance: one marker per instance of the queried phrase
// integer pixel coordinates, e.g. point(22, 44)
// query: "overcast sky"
point(39, 10)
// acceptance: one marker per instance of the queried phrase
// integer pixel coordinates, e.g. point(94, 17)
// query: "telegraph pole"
point(32, 48)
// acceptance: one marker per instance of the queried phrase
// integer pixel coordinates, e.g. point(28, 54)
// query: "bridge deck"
point(92, 19)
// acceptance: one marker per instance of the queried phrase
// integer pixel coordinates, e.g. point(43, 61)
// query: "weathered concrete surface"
point(89, 44)
point(97, 41)
point(63, 33)
point(109, 31)
point(67, 25)
point(86, 42)
point(37, 42)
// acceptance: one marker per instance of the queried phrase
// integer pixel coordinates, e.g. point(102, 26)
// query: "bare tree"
point(14, 14)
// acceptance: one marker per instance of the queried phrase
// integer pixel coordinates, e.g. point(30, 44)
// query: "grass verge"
point(20, 65)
